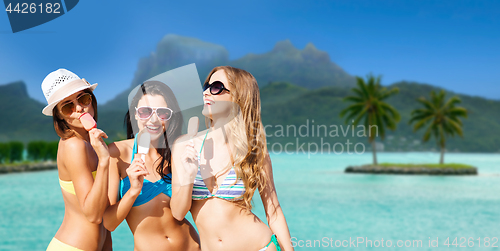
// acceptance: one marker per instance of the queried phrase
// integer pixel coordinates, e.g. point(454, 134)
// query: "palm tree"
point(369, 106)
point(441, 117)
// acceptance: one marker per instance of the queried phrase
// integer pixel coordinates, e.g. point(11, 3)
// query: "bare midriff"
point(223, 225)
point(77, 231)
point(155, 228)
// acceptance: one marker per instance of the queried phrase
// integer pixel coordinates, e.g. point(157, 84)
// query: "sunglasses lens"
point(68, 109)
point(164, 113)
point(144, 112)
point(216, 87)
point(85, 99)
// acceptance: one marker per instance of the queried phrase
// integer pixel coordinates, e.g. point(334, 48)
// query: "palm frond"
point(418, 116)
point(352, 111)
point(368, 106)
point(452, 102)
point(389, 93)
point(456, 127)
point(422, 111)
point(362, 88)
point(421, 122)
point(391, 110)
point(353, 99)
point(457, 111)
point(428, 104)
point(360, 93)
point(427, 134)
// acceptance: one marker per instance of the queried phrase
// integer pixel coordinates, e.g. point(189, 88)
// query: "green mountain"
point(22, 117)
point(172, 51)
point(279, 92)
point(309, 68)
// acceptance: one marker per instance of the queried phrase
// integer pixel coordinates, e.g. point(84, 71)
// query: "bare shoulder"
point(73, 143)
point(77, 157)
point(267, 166)
point(267, 159)
point(118, 147)
point(201, 134)
point(182, 141)
point(121, 149)
point(267, 156)
point(120, 153)
point(182, 138)
point(73, 147)
point(185, 138)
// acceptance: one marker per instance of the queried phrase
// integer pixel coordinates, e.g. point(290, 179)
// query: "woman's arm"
point(184, 168)
point(274, 214)
point(119, 209)
point(91, 194)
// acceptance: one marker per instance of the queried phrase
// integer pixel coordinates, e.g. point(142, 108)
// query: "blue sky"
point(452, 44)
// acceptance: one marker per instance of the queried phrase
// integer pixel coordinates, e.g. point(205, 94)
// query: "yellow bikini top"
point(68, 185)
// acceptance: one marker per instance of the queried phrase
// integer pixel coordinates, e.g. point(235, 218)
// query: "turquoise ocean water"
point(325, 208)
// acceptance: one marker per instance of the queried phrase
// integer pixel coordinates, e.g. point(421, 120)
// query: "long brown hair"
point(173, 130)
point(61, 126)
point(246, 135)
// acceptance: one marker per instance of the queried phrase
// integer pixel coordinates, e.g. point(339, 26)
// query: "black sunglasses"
point(215, 88)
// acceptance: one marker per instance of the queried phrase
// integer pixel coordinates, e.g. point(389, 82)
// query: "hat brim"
point(48, 109)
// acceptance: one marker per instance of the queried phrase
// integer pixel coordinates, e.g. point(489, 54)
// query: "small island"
point(418, 169)
point(27, 167)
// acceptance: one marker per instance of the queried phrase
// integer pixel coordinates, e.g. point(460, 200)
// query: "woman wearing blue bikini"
point(140, 190)
point(217, 183)
point(82, 163)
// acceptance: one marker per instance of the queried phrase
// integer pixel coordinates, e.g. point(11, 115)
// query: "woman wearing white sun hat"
point(82, 163)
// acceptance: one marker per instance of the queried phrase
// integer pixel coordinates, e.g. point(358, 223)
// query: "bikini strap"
point(203, 143)
point(201, 149)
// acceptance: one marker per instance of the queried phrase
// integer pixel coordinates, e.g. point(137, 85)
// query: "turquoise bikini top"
point(149, 189)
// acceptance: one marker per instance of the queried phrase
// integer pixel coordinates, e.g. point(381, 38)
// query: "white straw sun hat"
point(61, 84)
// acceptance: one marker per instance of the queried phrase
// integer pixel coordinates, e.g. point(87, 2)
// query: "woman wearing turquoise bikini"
point(140, 190)
point(82, 163)
point(217, 183)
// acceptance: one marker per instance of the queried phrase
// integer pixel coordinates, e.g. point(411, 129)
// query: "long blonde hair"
point(247, 134)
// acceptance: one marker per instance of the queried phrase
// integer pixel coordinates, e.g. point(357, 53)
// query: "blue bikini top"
point(149, 189)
